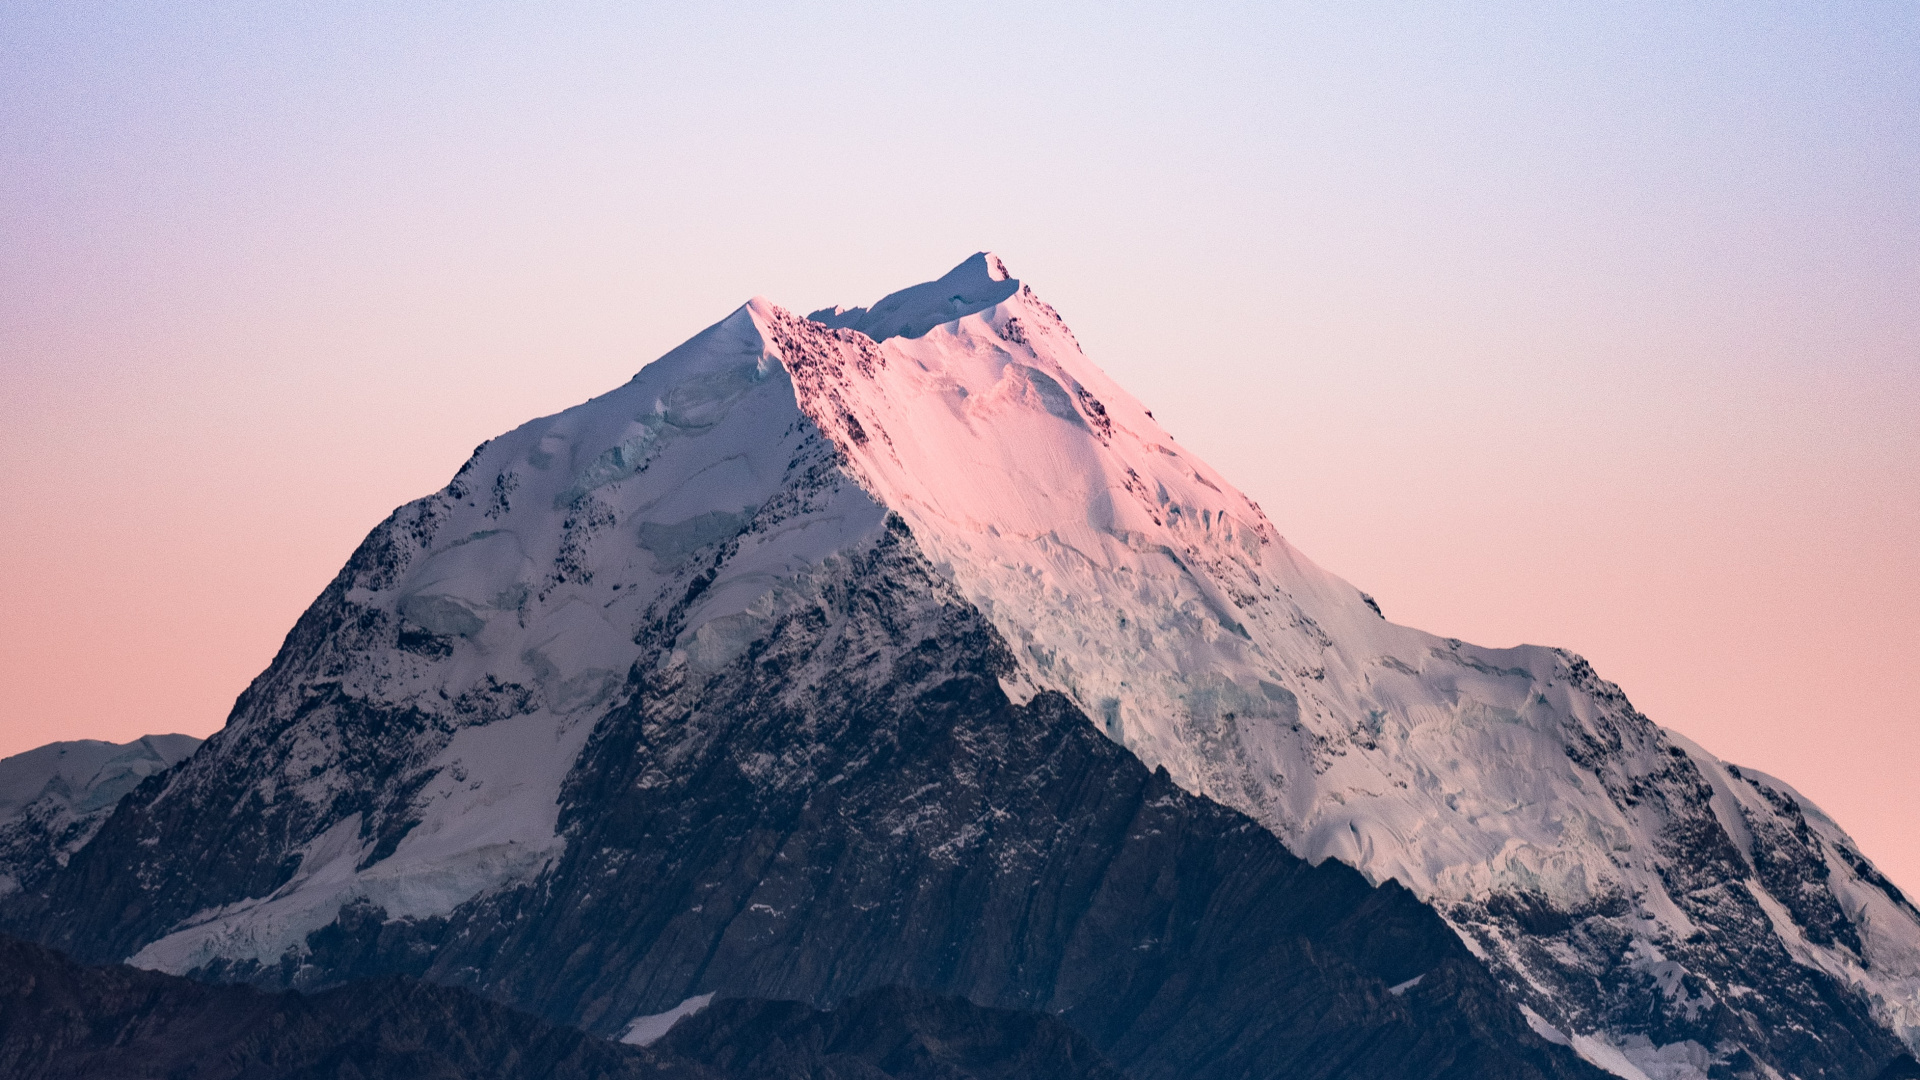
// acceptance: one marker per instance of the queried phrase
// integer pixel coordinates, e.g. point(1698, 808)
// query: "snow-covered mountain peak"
point(975, 285)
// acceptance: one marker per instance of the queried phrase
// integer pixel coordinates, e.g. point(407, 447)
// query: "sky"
point(1582, 325)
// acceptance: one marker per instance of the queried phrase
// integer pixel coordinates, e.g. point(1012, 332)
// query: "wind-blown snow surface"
point(1655, 907)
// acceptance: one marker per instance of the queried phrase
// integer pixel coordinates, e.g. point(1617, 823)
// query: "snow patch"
point(647, 1030)
point(1599, 1052)
point(1543, 1029)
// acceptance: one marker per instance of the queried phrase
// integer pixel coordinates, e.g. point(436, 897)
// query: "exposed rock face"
point(811, 662)
point(53, 798)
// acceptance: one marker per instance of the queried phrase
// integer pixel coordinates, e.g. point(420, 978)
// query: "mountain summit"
point(899, 645)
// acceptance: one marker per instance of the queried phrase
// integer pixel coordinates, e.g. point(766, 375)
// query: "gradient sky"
point(1584, 325)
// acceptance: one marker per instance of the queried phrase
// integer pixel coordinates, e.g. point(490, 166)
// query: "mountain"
point(54, 798)
point(898, 645)
point(62, 1021)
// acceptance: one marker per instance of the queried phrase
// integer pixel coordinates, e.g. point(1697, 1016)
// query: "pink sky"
point(1586, 330)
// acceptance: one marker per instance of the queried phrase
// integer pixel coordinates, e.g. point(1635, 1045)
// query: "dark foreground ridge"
point(62, 1021)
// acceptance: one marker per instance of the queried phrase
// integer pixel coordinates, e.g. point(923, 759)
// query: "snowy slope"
point(1657, 908)
point(492, 624)
point(54, 797)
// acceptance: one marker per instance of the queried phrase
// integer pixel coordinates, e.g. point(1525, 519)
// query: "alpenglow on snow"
point(1641, 903)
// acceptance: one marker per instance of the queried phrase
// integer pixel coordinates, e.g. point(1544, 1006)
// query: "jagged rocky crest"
point(900, 645)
